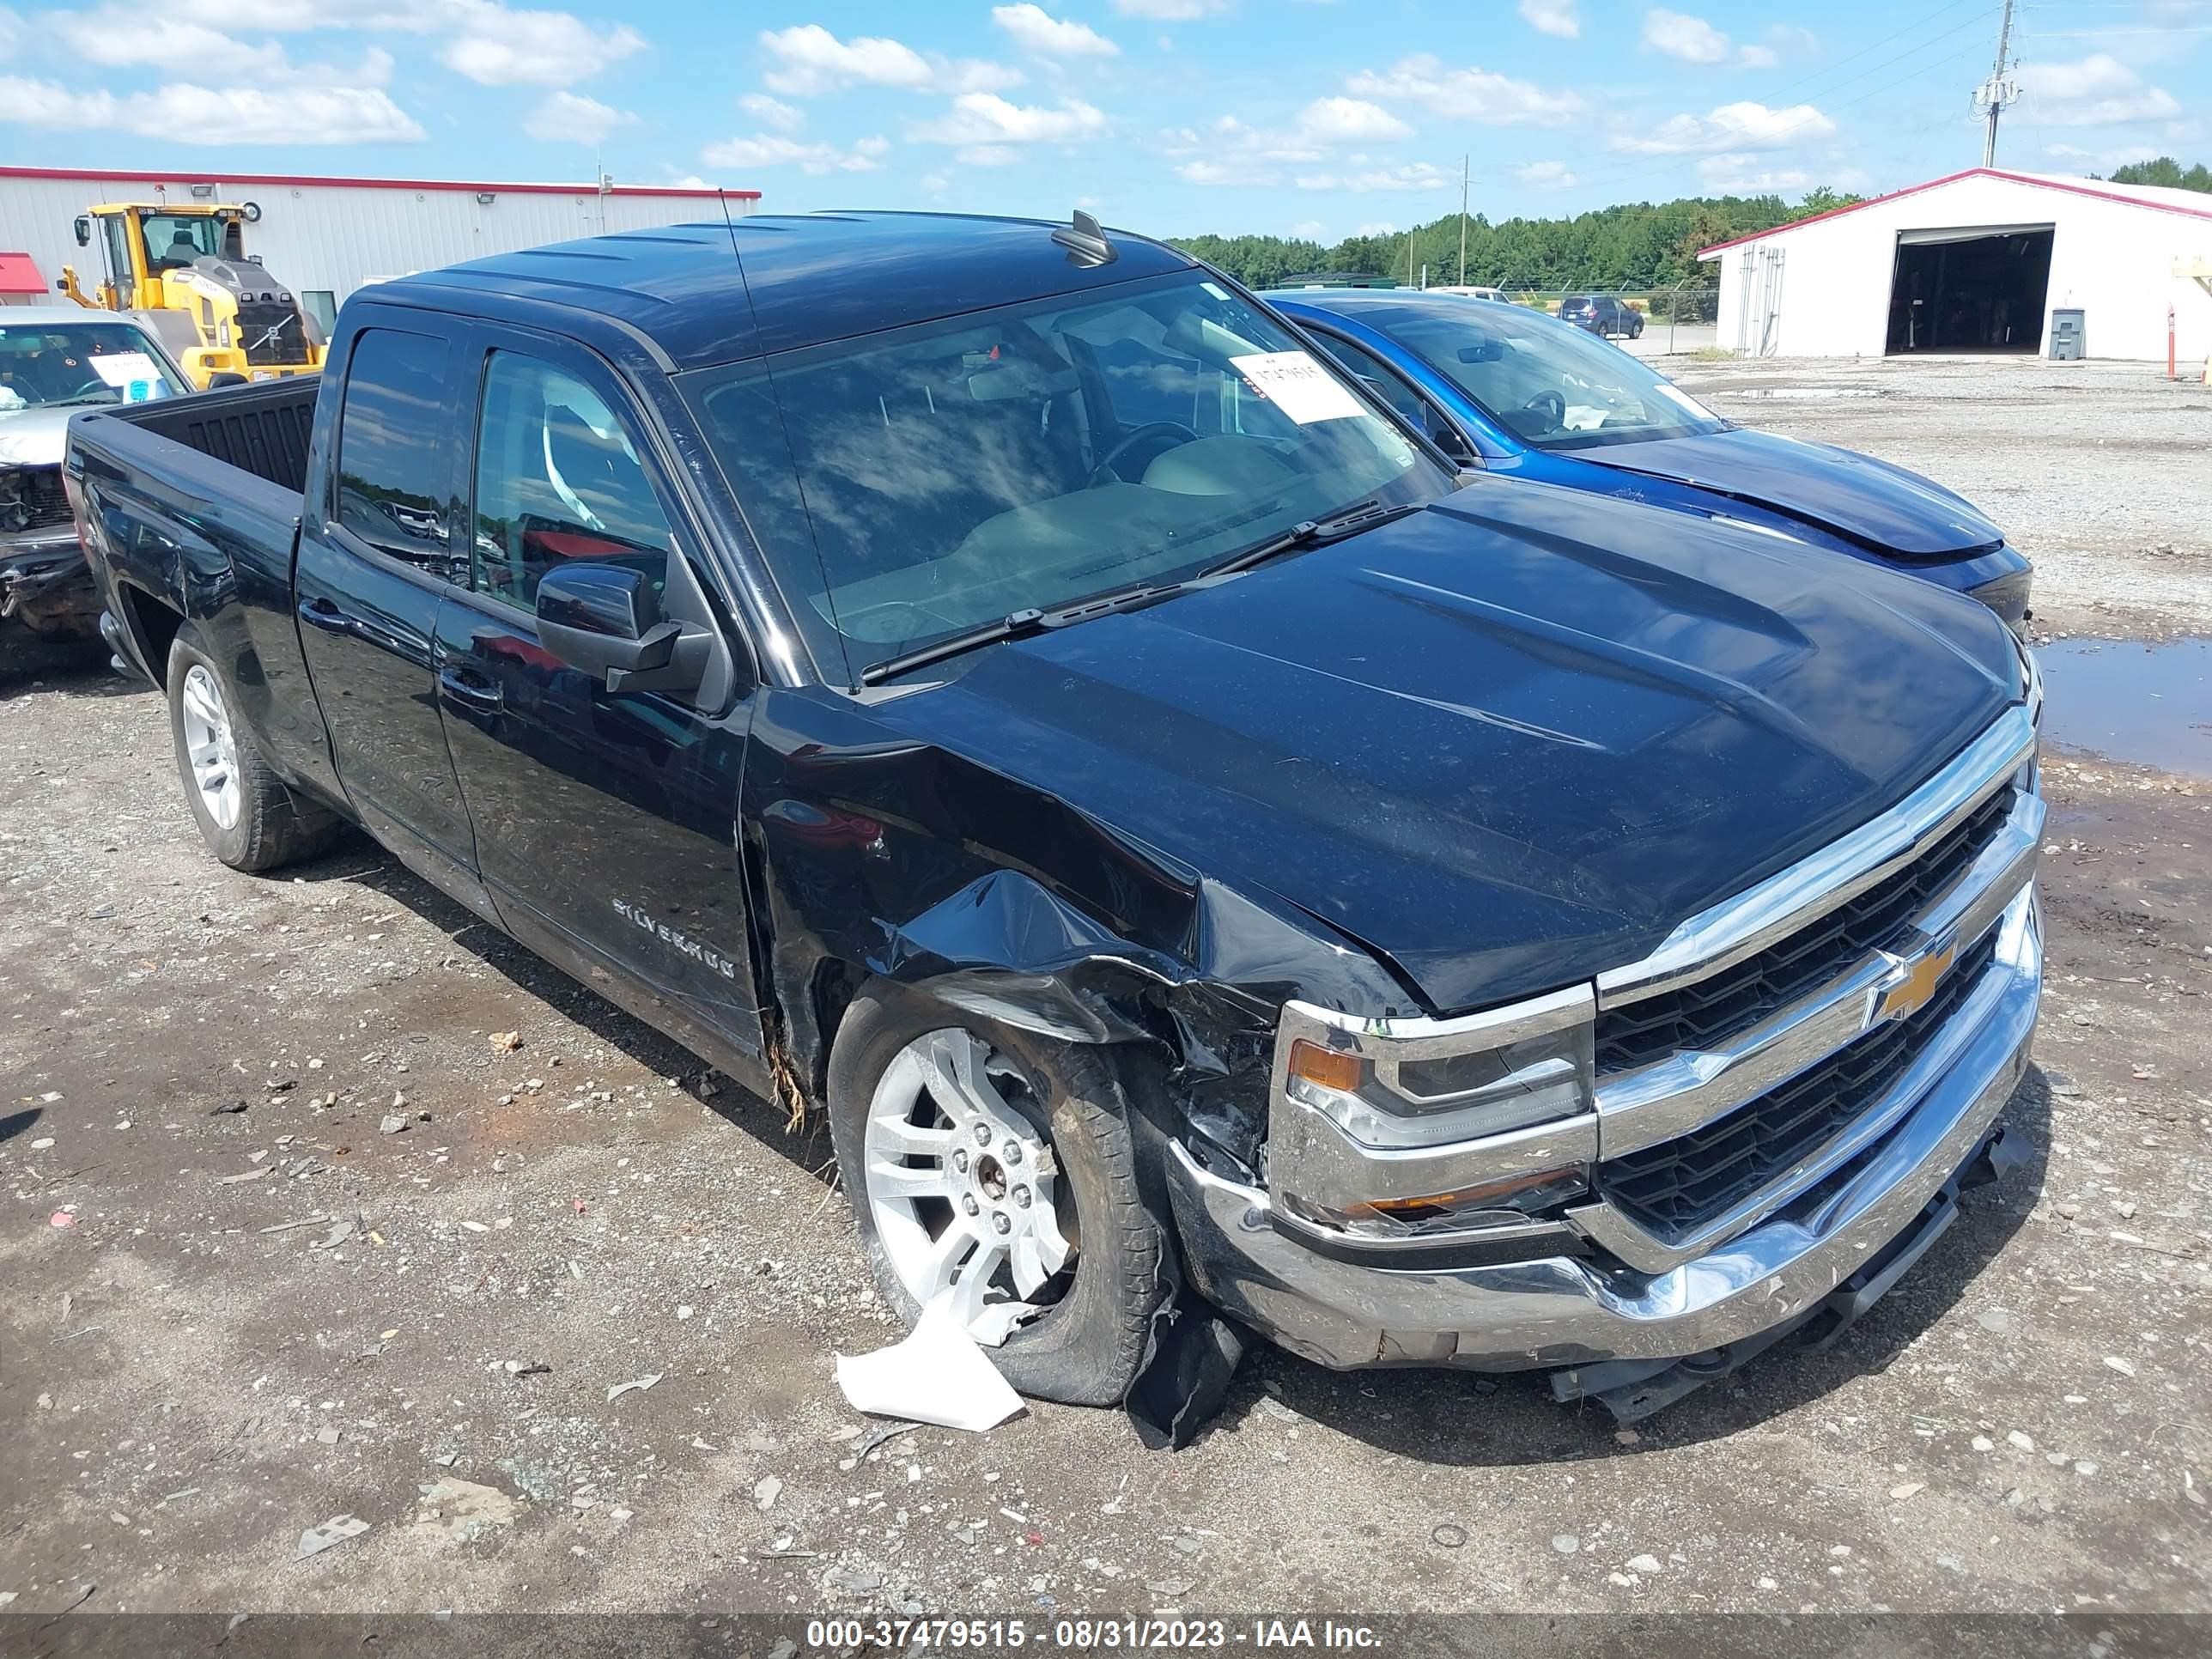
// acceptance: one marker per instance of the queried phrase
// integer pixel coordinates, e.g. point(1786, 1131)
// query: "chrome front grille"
point(1700, 1015)
point(1682, 1185)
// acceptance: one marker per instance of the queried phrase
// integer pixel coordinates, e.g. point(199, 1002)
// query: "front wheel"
point(246, 816)
point(992, 1169)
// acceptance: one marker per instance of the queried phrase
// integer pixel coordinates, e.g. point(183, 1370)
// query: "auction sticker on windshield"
point(1296, 385)
point(126, 371)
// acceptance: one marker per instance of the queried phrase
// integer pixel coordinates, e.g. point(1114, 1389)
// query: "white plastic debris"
point(616, 1391)
point(937, 1376)
point(335, 1530)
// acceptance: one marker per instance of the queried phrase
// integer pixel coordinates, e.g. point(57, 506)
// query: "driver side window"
point(557, 478)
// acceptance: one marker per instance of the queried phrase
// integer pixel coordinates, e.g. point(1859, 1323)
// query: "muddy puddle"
point(2129, 699)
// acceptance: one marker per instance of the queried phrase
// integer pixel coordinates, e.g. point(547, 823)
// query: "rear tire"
point(1086, 1344)
point(247, 816)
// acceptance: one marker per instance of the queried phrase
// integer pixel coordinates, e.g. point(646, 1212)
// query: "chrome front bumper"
point(1570, 1309)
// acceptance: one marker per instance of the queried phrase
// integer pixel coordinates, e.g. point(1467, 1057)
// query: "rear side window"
point(394, 468)
point(557, 479)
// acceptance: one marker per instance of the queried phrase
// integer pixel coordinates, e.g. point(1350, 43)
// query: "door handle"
point(473, 692)
point(324, 613)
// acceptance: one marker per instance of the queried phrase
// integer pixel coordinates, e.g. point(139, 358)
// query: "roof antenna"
point(1085, 239)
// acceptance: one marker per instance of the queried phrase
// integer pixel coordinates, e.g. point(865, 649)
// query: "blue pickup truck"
point(1510, 390)
point(989, 684)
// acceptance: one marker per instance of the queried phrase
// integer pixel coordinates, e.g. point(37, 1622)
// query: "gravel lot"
point(234, 1306)
point(2101, 472)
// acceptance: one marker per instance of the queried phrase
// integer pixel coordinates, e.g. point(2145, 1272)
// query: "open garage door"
point(1979, 288)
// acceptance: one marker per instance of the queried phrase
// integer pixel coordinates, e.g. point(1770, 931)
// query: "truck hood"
point(1879, 506)
point(1501, 744)
point(35, 437)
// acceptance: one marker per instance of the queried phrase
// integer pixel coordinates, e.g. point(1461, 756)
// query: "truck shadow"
point(358, 860)
point(1461, 1420)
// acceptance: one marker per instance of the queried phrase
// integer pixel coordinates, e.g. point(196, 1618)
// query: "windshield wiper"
point(1021, 625)
point(1362, 515)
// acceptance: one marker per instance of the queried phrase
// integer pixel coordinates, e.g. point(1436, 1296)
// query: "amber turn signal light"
point(1324, 1066)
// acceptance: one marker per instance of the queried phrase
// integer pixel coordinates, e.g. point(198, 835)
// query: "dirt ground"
point(289, 1237)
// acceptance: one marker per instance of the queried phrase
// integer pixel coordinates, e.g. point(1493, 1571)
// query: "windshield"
point(43, 365)
point(919, 483)
point(1551, 385)
point(173, 241)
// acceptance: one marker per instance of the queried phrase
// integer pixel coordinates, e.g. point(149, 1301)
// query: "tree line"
point(1634, 246)
point(2165, 170)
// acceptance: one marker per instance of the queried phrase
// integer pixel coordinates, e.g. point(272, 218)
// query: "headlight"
point(2031, 682)
point(1397, 1128)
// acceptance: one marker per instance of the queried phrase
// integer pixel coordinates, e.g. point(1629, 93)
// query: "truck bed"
point(262, 429)
point(190, 509)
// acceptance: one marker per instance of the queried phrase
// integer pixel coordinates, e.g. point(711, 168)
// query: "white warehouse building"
point(324, 237)
point(1978, 262)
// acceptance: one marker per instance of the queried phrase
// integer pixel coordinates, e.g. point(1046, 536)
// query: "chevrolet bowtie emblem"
point(1921, 978)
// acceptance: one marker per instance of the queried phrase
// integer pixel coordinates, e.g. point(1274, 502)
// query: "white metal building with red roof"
point(1976, 262)
point(324, 237)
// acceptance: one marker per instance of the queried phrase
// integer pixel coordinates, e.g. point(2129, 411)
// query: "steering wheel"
point(89, 388)
point(1107, 469)
point(1549, 407)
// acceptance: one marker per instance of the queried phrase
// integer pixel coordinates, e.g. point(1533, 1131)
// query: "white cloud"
point(985, 120)
point(1037, 30)
point(772, 111)
point(1247, 172)
point(1693, 40)
point(1752, 175)
point(1232, 154)
point(1467, 94)
point(11, 26)
point(1552, 17)
point(811, 61)
point(1744, 175)
point(1350, 121)
point(2099, 91)
point(183, 113)
point(1739, 126)
point(988, 156)
point(489, 43)
point(1169, 11)
point(117, 38)
point(1308, 230)
point(570, 118)
point(769, 149)
point(2102, 161)
point(1677, 35)
point(1411, 175)
point(1545, 175)
point(935, 183)
point(1376, 227)
point(498, 47)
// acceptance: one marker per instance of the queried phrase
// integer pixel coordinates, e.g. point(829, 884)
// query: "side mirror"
point(226, 377)
point(605, 620)
point(84, 230)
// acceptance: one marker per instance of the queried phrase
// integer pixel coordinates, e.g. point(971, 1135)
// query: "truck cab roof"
point(799, 279)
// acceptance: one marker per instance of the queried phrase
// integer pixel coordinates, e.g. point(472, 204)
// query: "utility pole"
point(1462, 220)
point(1996, 94)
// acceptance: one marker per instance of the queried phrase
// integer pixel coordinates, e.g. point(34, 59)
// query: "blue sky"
point(1317, 117)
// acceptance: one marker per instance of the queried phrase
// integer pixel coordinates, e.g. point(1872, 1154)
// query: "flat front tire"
point(246, 816)
point(992, 1169)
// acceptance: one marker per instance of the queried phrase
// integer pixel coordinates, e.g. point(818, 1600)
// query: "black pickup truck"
point(993, 684)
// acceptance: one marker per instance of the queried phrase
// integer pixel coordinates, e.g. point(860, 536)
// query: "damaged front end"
point(45, 584)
